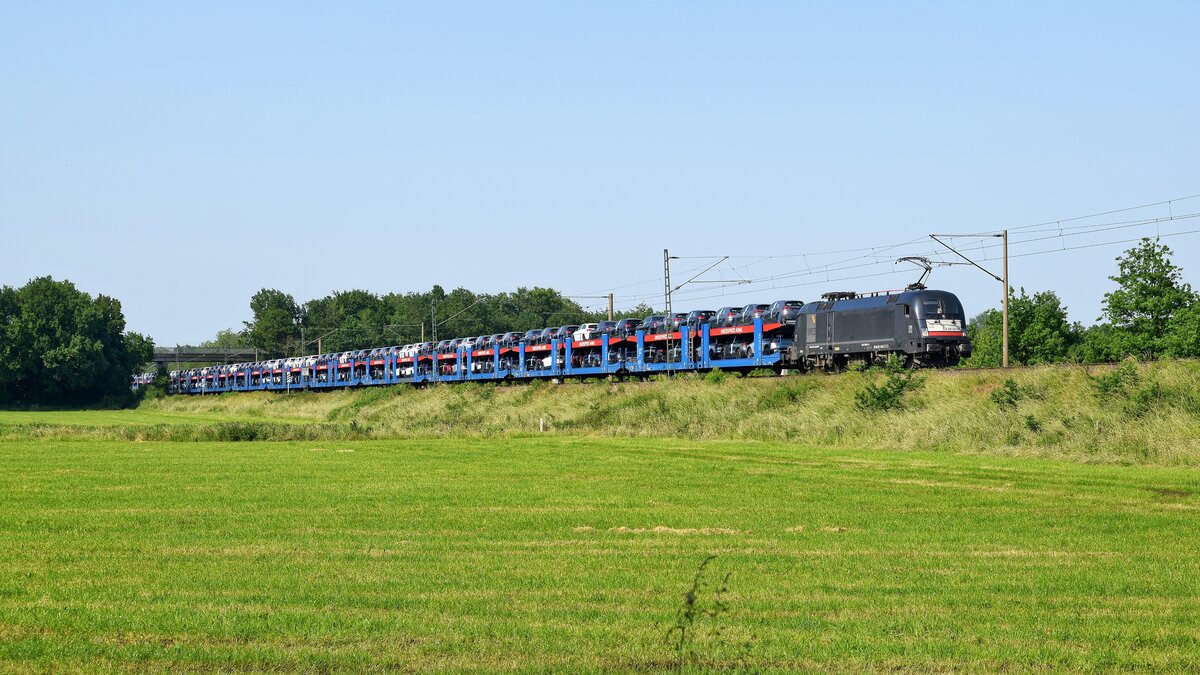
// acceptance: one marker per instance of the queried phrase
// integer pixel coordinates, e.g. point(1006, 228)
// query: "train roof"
point(877, 300)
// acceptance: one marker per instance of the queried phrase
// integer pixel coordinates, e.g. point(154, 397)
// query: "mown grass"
point(1131, 415)
point(148, 414)
point(568, 553)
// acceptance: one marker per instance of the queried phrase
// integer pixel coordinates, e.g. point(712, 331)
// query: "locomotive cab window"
point(940, 307)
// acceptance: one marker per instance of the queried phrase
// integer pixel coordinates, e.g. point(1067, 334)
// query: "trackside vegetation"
point(588, 554)
point(1152, 312)
point(1132, 413)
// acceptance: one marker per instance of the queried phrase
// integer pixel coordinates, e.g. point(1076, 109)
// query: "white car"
point(584, 332)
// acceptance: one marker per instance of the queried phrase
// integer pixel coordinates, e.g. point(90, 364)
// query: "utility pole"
point(668, 290)
point(422, 331)
point(1005, 282)
point(609, 297)
point(1002, 279)
point(667, 282)
point(433, 320)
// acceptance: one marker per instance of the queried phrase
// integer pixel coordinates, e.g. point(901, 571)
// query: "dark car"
point(672, 322)
point(652, 324)
point(532, 336)
point(565, 332)
point(510, 339)
point(548, 334)
point(783, 311)
point(726, 316)
point(603, 327)
point(777, 343)
point(443, 346)
point(625, 327)
point(751, 312)
point(696, 317)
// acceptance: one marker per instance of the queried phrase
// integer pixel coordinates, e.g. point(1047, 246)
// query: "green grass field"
point(571, 553)
point(141, 416)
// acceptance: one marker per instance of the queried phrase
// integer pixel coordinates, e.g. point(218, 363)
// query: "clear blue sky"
point(180, 156)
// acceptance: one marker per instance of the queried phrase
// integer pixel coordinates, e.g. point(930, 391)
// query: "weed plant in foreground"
point(576, 554)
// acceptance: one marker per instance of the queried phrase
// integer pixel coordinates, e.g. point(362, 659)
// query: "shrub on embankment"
point(1143, 413)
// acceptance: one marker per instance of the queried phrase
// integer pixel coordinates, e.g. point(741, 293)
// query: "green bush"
point(1008, 394)
point(1145, 400)
point(889, 395)
point(156, 389)
point(716, 376)
point(1118, 381)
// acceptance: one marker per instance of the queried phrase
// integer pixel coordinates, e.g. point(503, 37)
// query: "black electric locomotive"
point(921, 327)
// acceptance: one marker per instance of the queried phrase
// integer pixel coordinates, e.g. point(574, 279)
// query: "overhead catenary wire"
point(1058, 223)
point(1165, 202)
point(1011, 255)
point(831, 268)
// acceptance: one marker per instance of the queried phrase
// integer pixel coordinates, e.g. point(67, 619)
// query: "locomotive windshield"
point(940, 307)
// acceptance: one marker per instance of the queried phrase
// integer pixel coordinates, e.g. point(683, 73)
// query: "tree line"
point(61, 346)
point(358, 319)
point(1152, 313)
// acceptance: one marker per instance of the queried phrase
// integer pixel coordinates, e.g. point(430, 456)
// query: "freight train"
point(924, 328)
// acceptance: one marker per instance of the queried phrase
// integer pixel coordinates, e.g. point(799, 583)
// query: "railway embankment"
point(1131, 413)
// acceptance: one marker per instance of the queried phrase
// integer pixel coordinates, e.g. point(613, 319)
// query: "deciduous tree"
point(275, 322)
point(1150, 291)
point(1038, 329)
point(61, 346)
